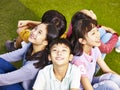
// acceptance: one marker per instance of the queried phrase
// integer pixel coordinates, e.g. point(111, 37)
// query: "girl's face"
point(60, 54)
point(89, 13)
point(38, 34)
point(93, 37)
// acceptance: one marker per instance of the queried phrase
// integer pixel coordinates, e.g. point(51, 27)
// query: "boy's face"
point(60, 54)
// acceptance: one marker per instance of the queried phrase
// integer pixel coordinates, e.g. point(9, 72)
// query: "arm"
point(15, 55)
point(108, 47)
point(27, 72)
point(23, 23)
point(86, 83)
point(108, 29)
point(105, 68)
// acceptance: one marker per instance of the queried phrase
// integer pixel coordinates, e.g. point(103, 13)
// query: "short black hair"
point(60, 41)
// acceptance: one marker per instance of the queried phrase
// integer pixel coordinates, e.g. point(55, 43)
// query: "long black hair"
point(79, 16)
point(42, 56)
point(79, 29)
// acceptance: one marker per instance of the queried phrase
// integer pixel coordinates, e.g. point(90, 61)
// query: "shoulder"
point(47, 69)
point(96, 50)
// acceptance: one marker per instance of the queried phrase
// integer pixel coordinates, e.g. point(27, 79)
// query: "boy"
point(60, 75)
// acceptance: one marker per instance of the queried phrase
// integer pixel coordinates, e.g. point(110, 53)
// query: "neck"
point(60, 72)
point(87, 49)
point(37, 48)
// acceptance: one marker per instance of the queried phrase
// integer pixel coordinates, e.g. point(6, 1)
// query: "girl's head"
point(83, 14)
point(57, 18)
point(84, 33)
point(60, 51)
point(40, 37)
point(79, 15)
point(43, 34)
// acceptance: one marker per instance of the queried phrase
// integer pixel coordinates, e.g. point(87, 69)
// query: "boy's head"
point(60, 41)
point(60, 49)
point(57, 18)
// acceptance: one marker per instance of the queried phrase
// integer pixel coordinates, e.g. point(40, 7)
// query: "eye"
point(93, 33)
point(39, 32)
point(54, 49)
point(64, 50)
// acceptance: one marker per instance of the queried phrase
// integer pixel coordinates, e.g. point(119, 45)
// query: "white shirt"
point(46, 79)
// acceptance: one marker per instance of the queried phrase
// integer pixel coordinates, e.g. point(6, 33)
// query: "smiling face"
point(93, 37)
point(38, 34)
point(60, 54)
point(89, 13)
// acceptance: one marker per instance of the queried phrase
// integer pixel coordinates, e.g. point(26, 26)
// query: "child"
point(60, 75)
point(24, 26)
point(34, 58)
point(86, 40)
point(109, 38)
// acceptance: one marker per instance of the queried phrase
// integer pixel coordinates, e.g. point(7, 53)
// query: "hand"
point(23, 23)
point(108, 29)
point(21, 29)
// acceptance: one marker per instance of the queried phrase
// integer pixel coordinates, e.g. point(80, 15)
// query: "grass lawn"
point(11, 11)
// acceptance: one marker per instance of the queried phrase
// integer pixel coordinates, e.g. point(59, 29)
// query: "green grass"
point(11, 11)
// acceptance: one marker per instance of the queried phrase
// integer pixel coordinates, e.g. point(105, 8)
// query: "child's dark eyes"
point(54, 50)
point(63, 50)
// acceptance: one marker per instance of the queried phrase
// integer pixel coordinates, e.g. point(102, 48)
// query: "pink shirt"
point(87, 63)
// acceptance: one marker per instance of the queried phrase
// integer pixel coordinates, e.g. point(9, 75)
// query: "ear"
point(49, 58)
point(70, 57)
point(81, 40)
point(45, 42)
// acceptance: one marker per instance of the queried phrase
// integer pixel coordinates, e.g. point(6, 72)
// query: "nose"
point(59, 52)
point(34, 32)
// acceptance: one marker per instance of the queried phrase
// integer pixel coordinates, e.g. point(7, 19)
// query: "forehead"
point(42, 26)
point(93, 30)
point(59, 45)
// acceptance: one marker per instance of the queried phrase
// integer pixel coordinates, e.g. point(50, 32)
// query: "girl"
point(24, 27)
point(34, 57)
point(109, 38)
point(60, 75)
point(85, 40)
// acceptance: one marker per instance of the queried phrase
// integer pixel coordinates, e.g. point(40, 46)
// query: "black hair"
point(60, 41)
point(79, 29)
point(57, 18)
point(42, 56)
point(79, 15)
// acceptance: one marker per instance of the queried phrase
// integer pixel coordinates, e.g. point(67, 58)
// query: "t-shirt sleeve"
point(82, 67)
point(76, 76)
point(108, 47)
point(39, 82)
